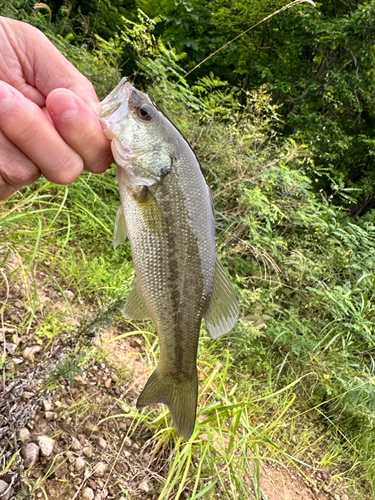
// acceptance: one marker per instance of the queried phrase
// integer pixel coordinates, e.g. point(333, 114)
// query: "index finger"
point(26, 126)
point(44, 67)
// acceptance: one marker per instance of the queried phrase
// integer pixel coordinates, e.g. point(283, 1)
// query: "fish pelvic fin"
point(120, 232)
point(180, 397)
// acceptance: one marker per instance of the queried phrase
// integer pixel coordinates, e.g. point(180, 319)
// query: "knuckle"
point(100, 163)
point(16, 169)
point(5, 189)
point(18, 176)
point(66, 171)
point(18, 123)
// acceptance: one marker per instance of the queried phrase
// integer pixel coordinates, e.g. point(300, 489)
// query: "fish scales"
point(166, 262)
point(167, 213)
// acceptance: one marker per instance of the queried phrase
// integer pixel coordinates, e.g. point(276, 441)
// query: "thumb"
point(78, 125)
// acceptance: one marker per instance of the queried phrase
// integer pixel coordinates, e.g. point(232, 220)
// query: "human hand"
point(47, 122)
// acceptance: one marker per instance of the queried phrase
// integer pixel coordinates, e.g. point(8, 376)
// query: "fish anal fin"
point(120, 232)
point(179, 396)
point(135, 307)
point(222, 312)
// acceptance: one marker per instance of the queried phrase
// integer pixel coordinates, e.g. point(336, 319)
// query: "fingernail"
point(5, 96)
point(62, 105)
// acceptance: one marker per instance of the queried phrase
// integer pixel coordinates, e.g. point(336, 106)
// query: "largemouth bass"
point(167, 213)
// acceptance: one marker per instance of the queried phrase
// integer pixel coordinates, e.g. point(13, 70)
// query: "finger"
point(80, 128)
point(26, 126)
point(16, 170)
point(5, 189)
point(44, 67)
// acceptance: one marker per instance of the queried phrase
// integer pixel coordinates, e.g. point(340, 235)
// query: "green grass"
point(241, 425)
point(251, 410)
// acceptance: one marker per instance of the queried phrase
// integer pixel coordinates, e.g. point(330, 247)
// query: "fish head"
point(142, 138)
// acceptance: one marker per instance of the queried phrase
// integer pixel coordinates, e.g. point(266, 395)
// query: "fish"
point(167, 213)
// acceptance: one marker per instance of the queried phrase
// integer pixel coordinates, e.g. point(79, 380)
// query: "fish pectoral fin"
point(135, 307)
point(150, 210)
point(120, 232)
point(222, 312)
point(179, 396)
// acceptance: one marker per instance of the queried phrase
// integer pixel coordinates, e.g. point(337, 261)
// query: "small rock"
point(17, 361)
point(104, 493)
point(80, 464)
point(81, 439)
point(5, 491)
point(50, 415)
point(325, 488)
point(345, 497)
point(69, 294)
point(16, 339)
point(102, 443)
point(76, 445)
point(79, 379)
point(128, 441)
point(29, 454)
point(336, 497)
point(23, 433)
point(46, 445)
point(30, 352)
point(4, 488)
point(97, 341)
point(91, 428)
point(99, 469)
point(10, 347)
point(92, 484)
point(7, 329)
point(87, 494)
point(87, 451)
point(118, 468)
point(70, 457)
point(144, 486)
point(27, 395)
point(47, 405)
point(107, 383)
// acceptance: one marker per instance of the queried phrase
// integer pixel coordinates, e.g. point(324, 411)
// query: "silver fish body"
point(167, 213)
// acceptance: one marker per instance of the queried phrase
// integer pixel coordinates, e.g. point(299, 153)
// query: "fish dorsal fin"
point(134, 306)
point(222, 313)
point(120, 232)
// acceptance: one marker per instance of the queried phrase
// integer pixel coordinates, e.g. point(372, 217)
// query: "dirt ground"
point(68, 440)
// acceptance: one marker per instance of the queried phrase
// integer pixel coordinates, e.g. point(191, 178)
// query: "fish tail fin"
point(179, 396)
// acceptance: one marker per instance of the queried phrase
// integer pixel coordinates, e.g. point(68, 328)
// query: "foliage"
point(317, 63)
point(318, 313)
point(304, 270)
point(69, 368)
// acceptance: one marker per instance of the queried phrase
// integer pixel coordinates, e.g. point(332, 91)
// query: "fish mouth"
point(114, 107)
point(110, 104)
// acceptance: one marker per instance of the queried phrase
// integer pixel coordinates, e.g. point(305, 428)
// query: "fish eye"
point(145, 112)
